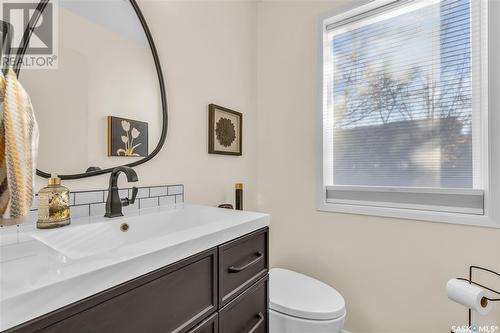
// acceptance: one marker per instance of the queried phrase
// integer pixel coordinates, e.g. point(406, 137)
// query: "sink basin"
point(136, 234)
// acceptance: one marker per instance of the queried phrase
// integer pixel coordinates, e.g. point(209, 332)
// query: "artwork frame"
point(225, 131)
point(121, 135)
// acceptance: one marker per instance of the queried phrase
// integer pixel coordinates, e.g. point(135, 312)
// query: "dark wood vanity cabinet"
point(241, 263)
point(248, 312)
point(209, 325)
point(223, 289)
point(171, 302)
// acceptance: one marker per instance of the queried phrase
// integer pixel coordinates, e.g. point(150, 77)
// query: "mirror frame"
point(17, 68)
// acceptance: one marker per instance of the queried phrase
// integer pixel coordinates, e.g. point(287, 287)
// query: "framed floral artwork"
point(127, 137)
point(224, 131)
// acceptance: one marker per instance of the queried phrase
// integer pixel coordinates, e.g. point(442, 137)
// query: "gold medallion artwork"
point(224, 131)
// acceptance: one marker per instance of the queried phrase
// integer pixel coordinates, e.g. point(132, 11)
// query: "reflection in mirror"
point(105, 68)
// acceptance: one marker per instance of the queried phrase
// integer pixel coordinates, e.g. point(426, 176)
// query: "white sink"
point(131, 234)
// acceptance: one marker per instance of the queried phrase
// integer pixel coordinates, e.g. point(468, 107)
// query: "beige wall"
point(208, 52)
point(263, 56)
point(391, 272)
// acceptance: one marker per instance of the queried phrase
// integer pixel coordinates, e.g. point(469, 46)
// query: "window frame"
point(490, 161)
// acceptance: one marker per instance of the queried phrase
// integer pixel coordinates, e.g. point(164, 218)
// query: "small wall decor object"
point(224, 131)
point(238, 192)
point(226, 206)
point(127, 137)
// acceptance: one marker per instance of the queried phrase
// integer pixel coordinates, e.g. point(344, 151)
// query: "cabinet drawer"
point(210, 325)
point(241, 263)
point(172, 302)
point(248, 313)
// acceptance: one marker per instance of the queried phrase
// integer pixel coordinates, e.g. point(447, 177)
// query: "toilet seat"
point(301, 296)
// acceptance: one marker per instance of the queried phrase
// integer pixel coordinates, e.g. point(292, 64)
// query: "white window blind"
point(402, 111)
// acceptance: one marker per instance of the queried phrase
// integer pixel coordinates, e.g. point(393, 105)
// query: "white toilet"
point(301, 304)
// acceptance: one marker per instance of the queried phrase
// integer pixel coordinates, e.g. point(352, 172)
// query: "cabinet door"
point(210, 325)
point(248, 313)
point(173, 302)
point(242, 262)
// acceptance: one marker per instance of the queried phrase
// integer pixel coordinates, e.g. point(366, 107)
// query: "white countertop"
point(36, 278)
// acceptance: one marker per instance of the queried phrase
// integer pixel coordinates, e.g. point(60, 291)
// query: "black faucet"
point(114, 204)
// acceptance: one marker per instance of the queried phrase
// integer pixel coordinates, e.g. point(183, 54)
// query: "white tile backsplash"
point(122, 193)
point(179, 198)
point(168, 200)
point(97, 209)
point(131, 208)
point(82, 198)
point(92, 203)
point(148, 202)
point(158, 191)
point(177, 189)
point(80, 211)
point(142, 193)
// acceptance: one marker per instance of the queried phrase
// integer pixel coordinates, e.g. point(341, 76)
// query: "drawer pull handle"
point(237, 269)
point(260, 315)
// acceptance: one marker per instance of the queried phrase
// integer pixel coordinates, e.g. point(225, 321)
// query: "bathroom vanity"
point(183, 269)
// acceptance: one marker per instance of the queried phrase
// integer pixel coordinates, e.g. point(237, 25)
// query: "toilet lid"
point(301, 296)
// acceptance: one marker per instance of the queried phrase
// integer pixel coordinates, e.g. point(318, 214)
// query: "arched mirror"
point(104, 104)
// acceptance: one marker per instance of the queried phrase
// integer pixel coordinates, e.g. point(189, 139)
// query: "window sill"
point(411, 214)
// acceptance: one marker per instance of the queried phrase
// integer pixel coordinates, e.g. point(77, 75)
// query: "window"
point(404, 110)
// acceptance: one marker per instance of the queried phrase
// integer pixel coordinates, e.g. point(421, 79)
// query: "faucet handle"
point(135, 190)
point(127, 201)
